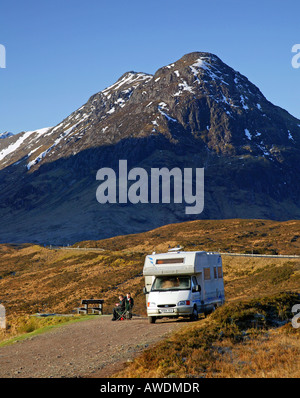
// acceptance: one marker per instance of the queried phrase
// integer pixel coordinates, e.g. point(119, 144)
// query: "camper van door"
point(196, 292)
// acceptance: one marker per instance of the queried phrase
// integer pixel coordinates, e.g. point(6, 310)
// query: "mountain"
point(194, 113)
point(6, 134)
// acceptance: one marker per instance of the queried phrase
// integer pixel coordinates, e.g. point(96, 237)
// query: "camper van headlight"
point(184, 302)
point(151, 304)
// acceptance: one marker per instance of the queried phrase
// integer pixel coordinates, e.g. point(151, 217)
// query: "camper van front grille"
point(166, 305)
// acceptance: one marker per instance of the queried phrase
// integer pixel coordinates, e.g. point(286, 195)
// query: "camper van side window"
point(220, 272)
point(206, 274)
point(215, 273)
point(170, 261)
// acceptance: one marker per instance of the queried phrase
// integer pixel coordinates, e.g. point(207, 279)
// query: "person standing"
point(129, 304)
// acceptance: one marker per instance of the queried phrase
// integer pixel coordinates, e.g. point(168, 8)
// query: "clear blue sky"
point(60, 52)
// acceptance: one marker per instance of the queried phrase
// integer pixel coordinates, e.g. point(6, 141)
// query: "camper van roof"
point(170, 253)
point(182, 262)
point(182, 251)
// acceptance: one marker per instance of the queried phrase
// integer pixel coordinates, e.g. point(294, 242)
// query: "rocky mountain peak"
point(198, 98)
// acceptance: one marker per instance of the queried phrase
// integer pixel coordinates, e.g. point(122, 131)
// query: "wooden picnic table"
point(95, 305)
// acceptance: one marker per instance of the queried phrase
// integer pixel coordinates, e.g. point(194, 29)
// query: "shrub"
point(263, 312)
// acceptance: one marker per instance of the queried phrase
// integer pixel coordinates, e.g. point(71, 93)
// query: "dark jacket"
point(122, 305)
point(129, 304)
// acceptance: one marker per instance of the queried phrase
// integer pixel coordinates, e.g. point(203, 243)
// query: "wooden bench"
point(96, 306)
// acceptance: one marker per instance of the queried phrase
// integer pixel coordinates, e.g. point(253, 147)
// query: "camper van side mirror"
point(196, 288)
point(145, 290)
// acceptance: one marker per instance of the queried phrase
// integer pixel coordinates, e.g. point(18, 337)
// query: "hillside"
point(240, 236)
point(37, 279)
point(197, 112)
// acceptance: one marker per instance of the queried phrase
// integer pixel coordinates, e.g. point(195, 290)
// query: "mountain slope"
point(196, 112)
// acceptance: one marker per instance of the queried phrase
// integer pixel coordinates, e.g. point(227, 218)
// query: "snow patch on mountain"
point(129, 78)
point(183, 87)
point(210, 69)
point(21, 139)
point(44, 153)
point(162, 106)
point(290, 135)
point(248, 135)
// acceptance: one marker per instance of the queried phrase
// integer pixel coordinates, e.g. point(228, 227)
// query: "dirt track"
point(92, 348)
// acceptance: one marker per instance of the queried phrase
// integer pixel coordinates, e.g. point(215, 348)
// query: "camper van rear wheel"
point(194, 314)
point(152, 319)
point(210, 311)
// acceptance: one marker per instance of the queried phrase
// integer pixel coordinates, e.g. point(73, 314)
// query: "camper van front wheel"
point(152, 319)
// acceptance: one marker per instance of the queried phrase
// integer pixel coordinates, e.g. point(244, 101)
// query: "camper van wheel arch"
point(211, 310)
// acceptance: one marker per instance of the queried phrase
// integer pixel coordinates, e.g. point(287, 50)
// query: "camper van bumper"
point(173, 311)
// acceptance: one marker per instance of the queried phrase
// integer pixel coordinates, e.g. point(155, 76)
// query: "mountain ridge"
point(114, 98)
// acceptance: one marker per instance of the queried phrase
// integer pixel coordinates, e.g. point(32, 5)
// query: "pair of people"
point(125, 304)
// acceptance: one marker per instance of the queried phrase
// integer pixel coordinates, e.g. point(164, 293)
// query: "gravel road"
point(92, 348)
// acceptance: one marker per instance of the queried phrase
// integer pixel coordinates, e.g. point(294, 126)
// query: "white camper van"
point(180, 283)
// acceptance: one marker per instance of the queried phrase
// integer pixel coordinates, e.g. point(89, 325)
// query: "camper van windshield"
point(171, 283)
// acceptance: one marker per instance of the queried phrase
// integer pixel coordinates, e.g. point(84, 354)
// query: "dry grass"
point(246, 277)
point(273, 354)
point(22, 325)
point(56, 281)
